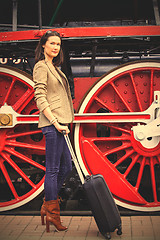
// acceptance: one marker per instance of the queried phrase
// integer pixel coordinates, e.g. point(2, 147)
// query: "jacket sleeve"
point(40, 86)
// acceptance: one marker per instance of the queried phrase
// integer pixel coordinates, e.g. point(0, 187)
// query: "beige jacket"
point(51, 92)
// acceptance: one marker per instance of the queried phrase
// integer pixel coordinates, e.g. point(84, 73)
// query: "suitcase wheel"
point(107, 236)
point(119, 231)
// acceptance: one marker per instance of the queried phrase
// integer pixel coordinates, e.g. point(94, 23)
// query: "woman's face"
point(52, 47)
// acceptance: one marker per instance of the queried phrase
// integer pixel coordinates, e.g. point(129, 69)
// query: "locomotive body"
point(113, 67)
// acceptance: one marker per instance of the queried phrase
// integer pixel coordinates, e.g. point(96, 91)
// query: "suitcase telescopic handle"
point(74, 158)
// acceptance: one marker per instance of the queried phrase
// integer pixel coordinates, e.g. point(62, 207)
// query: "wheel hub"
point(146, 147)
point(151, 142)
point(5, 120)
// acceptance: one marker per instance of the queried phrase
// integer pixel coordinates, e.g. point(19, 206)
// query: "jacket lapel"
point(54, 72)
point(60, 72)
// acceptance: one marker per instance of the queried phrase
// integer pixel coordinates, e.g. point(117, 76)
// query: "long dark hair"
point(39, 52)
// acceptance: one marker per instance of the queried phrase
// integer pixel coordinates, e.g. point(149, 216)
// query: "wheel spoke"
point(136, 93)
point(29, 133)
point(24, 158)
point(23, 101)
point(8, 180)
point(158, 157)
point(25, 145)
point(124, 158)
point(104, 104)
point(117, 149)
point(140, 173)
point(36, 112)
point(106, 139)
point(9, 91)
point(153, 179)
point(121, 129)
point(18, 170)
point(134, 160)
point(120, 96)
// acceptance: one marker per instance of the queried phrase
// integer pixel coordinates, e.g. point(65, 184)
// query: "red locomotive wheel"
point(131, 168)
point(22, 151)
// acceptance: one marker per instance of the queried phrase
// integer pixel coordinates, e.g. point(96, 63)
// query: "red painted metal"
point(31, 119)
point(116, 183)
point(129, 168)
point(78, 32)
point(81, 86)
point(20, 144)
point(112, 118)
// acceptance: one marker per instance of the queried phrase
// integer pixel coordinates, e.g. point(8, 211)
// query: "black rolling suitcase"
point(102, 204)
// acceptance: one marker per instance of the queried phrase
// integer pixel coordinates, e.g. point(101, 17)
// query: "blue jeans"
point(58, 162)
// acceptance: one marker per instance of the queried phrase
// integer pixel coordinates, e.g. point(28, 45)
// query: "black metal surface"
point(78, 11)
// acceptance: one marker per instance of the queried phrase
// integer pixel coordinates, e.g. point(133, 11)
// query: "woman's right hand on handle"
point(61, 128)
point(47, 112)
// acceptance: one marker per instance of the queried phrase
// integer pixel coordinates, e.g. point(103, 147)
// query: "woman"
point(53, 98)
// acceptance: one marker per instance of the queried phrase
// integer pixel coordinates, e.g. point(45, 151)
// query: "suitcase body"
point(102, 204)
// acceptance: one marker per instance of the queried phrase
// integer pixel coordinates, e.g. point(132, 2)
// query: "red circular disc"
point(22, 151)
point(130, 168)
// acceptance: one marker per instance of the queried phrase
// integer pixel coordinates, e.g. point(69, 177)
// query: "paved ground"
point(80, 228)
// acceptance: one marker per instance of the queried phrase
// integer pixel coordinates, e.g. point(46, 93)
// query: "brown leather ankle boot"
point(43, 211)
point(53, 216)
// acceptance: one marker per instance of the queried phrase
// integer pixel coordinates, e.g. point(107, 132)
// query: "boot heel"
point(43, 212)
point(42, 219)
point(47, 226)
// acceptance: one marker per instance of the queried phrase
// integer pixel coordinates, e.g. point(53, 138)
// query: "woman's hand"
point(61, 128)
point(47, 112)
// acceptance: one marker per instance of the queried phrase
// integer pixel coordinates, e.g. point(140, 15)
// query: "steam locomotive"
point(112, 60)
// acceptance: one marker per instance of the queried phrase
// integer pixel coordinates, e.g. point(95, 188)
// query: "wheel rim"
point(22, 151)
point(130, 169)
